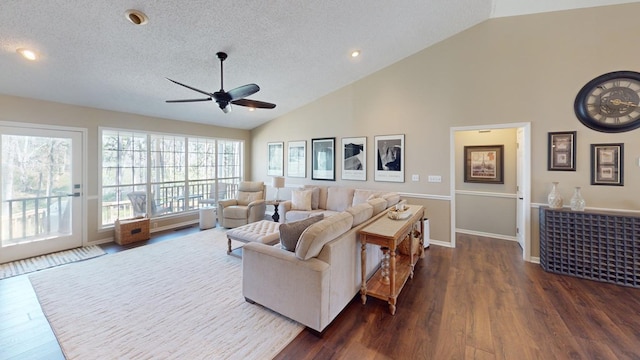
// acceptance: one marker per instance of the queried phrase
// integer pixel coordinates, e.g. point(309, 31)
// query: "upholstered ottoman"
point(263, 231)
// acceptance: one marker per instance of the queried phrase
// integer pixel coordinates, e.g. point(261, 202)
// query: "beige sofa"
point(330, 200)
point(313, 284)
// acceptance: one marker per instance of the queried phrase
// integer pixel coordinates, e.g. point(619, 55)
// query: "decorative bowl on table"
point(399, 214)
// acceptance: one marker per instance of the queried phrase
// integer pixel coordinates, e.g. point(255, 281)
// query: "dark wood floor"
point(478, 301)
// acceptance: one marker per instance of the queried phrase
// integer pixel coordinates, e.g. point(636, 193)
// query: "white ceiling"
point(296, 51)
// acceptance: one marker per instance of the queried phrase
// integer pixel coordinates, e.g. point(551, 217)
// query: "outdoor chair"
point(139, 203)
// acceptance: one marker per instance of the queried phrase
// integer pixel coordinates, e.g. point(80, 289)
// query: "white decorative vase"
point(577, 201)
point(555, 199)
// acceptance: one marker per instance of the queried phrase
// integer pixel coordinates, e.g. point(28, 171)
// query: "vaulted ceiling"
point(90, 54)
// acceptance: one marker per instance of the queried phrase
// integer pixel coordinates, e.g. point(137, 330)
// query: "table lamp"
point(278, 182)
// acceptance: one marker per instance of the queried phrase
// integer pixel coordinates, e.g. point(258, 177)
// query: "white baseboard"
point(440, 243)
point(484, 234)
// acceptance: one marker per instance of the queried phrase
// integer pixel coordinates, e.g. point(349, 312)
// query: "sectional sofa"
point(316, 281)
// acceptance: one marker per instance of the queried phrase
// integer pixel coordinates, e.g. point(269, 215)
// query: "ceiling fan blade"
point(190, 87)
point(254, 104)
point(188, 100)
point(243, 91)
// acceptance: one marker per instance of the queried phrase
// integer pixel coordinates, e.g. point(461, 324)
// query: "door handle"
point(75, 194)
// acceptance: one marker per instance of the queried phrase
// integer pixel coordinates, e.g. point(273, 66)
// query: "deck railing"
point(42, 216)
point(34, 217)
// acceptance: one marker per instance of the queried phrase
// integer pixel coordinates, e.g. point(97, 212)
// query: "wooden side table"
point(388, 234)
point(275, 203)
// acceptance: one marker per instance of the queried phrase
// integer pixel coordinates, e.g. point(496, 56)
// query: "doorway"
point(523, 193)
point(41, 202)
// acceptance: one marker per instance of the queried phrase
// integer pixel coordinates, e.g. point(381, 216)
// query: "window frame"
point(189, 190)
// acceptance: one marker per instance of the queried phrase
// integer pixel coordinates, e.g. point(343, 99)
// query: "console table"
point(388, 234)
point(595, 245)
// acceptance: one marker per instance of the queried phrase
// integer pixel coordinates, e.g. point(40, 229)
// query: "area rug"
point(20, 267)
point(177, 299)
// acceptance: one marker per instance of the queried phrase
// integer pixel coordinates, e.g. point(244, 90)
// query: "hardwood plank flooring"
point(478, 301)
point(481, 301)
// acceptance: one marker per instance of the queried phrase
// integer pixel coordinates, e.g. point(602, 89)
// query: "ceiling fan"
point(226, 98)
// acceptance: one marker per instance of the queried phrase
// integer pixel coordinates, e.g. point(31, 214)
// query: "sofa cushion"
point(315, 236)
point(301, 200)
point(360, 213)
point(378, 204)
point(290, 232)
point(339, 198)
point(294, 215)
point(235, 212)
point(392, 198)
point(361, 196)
point(244, 197)
point(315, 196)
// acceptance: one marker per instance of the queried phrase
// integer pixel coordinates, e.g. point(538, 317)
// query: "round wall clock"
point(610, 102)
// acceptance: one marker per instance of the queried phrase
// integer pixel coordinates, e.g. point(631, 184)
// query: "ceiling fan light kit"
point(224, 99)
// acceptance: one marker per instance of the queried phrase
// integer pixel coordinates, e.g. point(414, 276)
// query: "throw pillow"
point(315, 196)
point(290, 232)
point(301, 200)
point(361, 196)
point(339, 198)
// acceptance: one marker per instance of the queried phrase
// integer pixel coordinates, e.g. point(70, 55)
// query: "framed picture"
point(297, 159)
point(483, 164)
point(323, 159)
point(562, 151)
point(354, 158)
point(389, 158)
point(275, 160)
point(607, 164)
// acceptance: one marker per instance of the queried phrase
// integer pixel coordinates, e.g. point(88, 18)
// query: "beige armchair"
point(247, 208)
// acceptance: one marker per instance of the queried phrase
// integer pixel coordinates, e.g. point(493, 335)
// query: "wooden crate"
point(132, 230)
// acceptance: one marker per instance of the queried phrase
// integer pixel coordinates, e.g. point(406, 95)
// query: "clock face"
point(610, 102)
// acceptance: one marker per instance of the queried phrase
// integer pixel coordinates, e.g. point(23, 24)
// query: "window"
point(180, 173)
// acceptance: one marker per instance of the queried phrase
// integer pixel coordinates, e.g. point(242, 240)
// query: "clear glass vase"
point(577, 201)
point(554, 198)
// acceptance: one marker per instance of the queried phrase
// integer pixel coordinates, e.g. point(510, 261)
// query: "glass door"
point(41, 191)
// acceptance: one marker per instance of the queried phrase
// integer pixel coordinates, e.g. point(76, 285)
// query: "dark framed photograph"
point(484, 164)
point(297, 156)
point(354, 158)
point(275, 160)
point(607, 164)
point(389, 158)
point(323, 159)
point(562, 151)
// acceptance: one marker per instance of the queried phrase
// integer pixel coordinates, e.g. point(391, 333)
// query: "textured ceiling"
point(296, 51)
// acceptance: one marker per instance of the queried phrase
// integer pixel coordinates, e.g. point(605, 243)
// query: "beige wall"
point(21, 110)
point(507, 70)
point(481, 207)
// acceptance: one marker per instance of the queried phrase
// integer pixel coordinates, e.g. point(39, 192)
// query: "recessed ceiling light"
point(355, 53)
point(136, 17)
point(252, 109)
point(27, 54)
